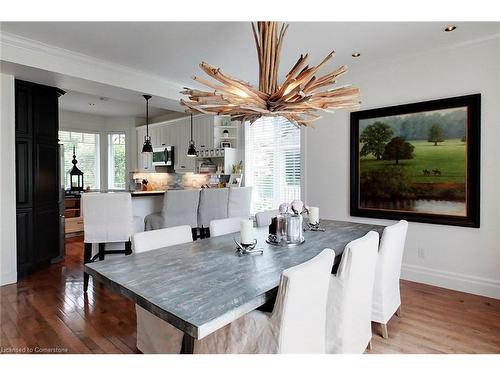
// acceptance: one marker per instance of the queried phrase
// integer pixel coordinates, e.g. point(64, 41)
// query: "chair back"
point(263, 218)
point(350, 299)
point(107, 217)
point(390, 255)
point(300, 308)
point(213, 206)
point(386, 294)
point(156, 239)
point(180, 207)
point(240, 200)
point(224, 226)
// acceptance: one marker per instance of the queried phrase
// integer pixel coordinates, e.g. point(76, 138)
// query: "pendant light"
point(147, 148)
point(191, 149)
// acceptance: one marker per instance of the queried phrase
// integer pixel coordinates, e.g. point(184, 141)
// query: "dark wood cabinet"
point(24, 225)
point(37, 176)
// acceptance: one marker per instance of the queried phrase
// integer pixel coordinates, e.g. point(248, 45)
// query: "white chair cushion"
point(348, 328)
point(386, 294)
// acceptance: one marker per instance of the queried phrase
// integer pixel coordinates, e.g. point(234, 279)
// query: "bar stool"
point(107, 218)
point(180, 207)
point(213, 206)
point(239, 202)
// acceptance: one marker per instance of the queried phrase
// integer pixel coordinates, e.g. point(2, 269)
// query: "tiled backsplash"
point(165, 181)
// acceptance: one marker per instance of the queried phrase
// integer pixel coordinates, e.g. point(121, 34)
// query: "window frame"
point(109, 164)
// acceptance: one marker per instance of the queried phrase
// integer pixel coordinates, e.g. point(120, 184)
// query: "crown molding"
point(35, 54)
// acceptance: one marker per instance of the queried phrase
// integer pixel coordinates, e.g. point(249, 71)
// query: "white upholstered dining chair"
point(264, 218)
point(156, 239)
point(386, 294)
point(348, 322)
point(239, 201)
point(225, 226)
point(291, 327)
point(213, 206)
point(180, 207)
point(107, 219)
point(154, 335)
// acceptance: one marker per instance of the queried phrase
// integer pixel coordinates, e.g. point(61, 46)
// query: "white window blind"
point(272, 162)
point(117, 161)
point(87, 153)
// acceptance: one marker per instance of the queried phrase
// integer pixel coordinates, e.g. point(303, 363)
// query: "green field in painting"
point(449, 157)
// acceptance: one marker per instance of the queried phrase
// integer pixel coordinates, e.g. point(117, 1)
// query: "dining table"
point(201, 286)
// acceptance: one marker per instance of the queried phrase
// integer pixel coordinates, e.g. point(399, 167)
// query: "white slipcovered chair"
point(239, 202)
point(180, 207)
point(107, 219)
point(213, 206)
point(386, 294)
point(156, 239)
point(225, 226)
point(290, 328)
point(348, 322)
point(154, 335)
point(264, 218)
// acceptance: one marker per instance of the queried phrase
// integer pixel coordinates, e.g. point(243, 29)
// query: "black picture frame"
point(473, 158)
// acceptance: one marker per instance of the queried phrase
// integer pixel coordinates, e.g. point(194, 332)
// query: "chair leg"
point(87, 254)
point(101, 251)
point(385, 335)
point(398, 311)
point(128, 248)
point(369, 347)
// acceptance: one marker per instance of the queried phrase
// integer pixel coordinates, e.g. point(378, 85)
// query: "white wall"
point(103, 126)
point(454, 257)
point(8, 261)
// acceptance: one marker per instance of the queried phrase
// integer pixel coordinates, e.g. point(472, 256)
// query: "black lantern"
point(75, 175)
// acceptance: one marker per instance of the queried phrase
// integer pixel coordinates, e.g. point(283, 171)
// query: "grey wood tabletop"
point(201, 286)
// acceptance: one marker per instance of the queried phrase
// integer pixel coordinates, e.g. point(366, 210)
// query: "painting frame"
point(235, 180)
point(472, 103)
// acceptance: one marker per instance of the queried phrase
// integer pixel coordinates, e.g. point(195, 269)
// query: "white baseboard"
point(9, 278)
point(452, 280)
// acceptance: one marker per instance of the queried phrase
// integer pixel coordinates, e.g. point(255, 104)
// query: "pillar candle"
point(313, 215)
point(246, 232)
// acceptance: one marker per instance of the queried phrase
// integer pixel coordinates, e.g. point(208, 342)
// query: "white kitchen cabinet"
point(177, 133)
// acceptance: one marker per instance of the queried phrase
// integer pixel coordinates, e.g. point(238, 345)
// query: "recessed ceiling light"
point(91, 104)
point(356, 54)
point(450, 28)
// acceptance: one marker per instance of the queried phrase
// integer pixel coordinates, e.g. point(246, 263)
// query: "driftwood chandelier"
point(301, 95)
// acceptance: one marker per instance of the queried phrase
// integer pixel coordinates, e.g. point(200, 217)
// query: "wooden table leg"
point(87, 255)
point(187, 344)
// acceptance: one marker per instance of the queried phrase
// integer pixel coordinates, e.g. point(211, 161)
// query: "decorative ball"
point(297, 206)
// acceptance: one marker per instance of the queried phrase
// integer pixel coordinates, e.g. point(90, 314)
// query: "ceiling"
point(103, 106)
point(173, 50)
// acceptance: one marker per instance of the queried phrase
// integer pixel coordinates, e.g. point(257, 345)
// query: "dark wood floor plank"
point(49, 309)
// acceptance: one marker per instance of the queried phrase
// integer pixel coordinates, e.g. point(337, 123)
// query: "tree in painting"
point(374, 139)
point(398, 149)
point(435, 134)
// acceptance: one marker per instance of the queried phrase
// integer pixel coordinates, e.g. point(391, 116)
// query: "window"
point(117, 161)
point(87, 153)
point(272, 162)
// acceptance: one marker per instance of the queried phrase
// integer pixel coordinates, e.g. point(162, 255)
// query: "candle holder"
point(314, 227)
point(244, 249)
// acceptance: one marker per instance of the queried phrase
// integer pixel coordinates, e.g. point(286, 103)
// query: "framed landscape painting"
point(419, 161)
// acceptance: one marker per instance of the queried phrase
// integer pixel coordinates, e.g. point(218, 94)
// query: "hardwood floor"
point(48, 311)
